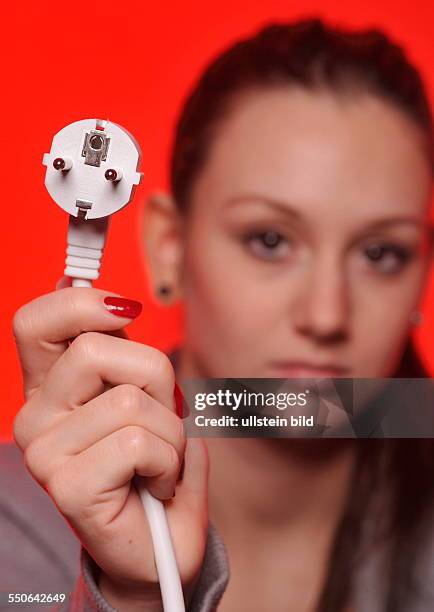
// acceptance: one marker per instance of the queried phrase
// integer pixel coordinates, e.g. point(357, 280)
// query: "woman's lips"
point(307, 370)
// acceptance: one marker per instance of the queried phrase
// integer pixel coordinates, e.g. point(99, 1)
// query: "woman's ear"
point(162, 231)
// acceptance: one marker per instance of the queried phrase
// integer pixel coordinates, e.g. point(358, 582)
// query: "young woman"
point(297, 234)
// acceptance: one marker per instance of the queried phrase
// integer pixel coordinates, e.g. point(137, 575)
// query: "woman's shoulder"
point(38, 550)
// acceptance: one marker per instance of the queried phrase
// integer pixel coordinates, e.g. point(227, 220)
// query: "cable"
point(91, 174)
point(81, 282)
point(165, 560)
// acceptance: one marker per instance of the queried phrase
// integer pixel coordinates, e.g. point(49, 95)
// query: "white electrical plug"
point(91, 174)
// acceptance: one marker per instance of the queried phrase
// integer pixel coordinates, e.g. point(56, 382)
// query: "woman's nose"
point(321, 308)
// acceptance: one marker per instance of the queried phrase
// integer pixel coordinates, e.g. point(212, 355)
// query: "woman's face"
point(306, 238)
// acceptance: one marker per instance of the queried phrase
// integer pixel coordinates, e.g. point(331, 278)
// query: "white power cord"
point(91, 174)
point(165, 561)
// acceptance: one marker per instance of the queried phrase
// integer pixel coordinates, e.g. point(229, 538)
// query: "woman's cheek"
point(227, 312)
point(380, 331)
point(233, 302)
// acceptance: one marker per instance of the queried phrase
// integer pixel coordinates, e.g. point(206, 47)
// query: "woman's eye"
point(267, 245)
point(387, 258)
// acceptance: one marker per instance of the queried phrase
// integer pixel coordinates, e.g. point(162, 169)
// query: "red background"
point(131, 62)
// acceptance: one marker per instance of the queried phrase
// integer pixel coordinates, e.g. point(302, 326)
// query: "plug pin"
point(113, 174)
point(62, 163)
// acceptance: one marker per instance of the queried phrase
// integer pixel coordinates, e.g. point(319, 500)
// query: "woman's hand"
point(98, 410)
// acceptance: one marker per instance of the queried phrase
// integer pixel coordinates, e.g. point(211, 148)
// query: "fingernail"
point(182, 409)
point(122, 307)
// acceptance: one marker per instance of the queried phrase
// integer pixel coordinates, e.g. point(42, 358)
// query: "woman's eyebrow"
point(289, 210)
point(399, 220)
point(266, 201)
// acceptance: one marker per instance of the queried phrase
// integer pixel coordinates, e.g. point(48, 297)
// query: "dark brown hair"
point(313, 55)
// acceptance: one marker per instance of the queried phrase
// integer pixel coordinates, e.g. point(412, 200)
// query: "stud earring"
point(416, 317)
point(164, 291)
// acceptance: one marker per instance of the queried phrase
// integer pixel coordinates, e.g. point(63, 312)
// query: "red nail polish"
point(122, 307)
point(182, 409)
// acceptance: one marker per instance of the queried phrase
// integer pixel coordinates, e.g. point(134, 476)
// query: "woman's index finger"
point(44, 326)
